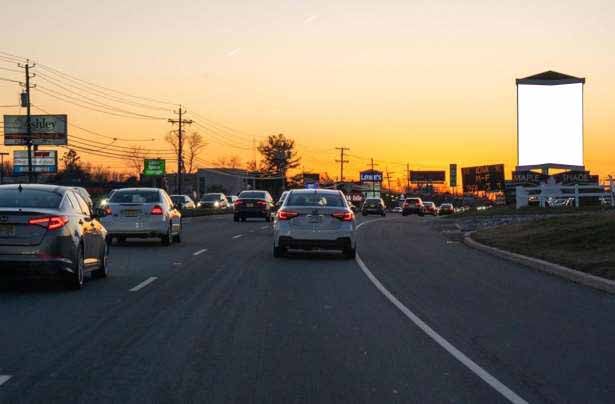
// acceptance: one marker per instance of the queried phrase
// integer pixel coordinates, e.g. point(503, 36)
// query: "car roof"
point(314, 191)
point(40, 187)
point(139, 189)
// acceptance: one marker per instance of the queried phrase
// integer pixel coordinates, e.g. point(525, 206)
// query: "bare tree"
point(192, 147)
point(136, 159)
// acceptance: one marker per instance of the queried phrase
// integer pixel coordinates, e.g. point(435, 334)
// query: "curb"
point(582, 278)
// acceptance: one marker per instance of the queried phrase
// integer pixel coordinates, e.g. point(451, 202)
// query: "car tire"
point(121, 239)
point(235, 218)
point(178, 237)
point(167, 239)
point(278, 252)
point(404, 214)
point(103, 271)
point(350, 253)
point(243, 219)
point(75, 280)
point(383, 214)
point(268, 217)
point(364, 213)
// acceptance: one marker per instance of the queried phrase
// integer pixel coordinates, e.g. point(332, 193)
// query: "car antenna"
point(20, 188)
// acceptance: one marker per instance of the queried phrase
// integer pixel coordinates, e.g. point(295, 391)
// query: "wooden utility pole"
point(27, 68)
point(180, 145)
point(342, 161)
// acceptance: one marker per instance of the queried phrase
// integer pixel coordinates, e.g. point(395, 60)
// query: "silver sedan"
point(315, 219)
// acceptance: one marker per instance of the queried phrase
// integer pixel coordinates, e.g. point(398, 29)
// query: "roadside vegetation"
point(585, 241)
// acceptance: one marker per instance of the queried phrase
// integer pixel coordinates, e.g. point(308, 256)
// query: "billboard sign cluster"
point(427, 177)
point(43, 161)
point(311, 180)
point(489, 178)
point(46, 130)
point(154, 167)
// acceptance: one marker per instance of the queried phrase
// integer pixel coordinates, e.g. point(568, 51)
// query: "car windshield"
point(413, 201)
point(429, 204)
point(29, 198)
point(252, 195)
point(315, 199)
point(211, 197)
point(135, 196)
point(177, 199)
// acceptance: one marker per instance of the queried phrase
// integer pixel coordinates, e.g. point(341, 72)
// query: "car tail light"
point(261, 203)
point(344, 216)
point(156, 211)
point(406, 204)
point(238, 202)
point(286, 214)
point(106, 212)
point(49, 222)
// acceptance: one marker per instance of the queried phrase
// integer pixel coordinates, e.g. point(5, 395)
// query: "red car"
point(430, 208)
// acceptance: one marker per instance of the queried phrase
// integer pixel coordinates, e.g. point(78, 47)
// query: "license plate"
point(130, 213)
point(249, 205)
point(7, 230)
point(314, 219)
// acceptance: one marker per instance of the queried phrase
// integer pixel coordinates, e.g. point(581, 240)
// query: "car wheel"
point(364, 213)
point(268, 217)
point(103, 270)
point(243, 219)
point(121, 239)
point(75, 280)
point(350, 253)
point(235, 218)
point(167, 239)
point(404, 214)
point(178, 237)
point(383, 214)
point(279, 251)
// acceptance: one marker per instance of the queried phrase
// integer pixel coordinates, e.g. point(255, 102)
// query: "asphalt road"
point(218, 319)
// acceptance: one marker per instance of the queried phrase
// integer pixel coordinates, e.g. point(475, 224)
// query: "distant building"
point(232, 181)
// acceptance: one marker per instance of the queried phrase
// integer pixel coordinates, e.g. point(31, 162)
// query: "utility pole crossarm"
point(342, 161)
point(180, 145)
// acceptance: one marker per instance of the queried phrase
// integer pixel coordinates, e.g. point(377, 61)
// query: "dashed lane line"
point(144, 284)
point(4, 379)
point(238, 236)
point(200, 252)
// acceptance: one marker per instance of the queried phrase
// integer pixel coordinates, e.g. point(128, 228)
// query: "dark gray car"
point(50, 230)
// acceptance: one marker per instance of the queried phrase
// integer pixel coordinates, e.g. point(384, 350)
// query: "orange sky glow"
point(426, 83)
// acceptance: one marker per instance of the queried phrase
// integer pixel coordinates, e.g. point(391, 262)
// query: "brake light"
point(238, 202)
point(156, 211)
point(106, 212)
point(406, 204)
point(261, 203)
point(344, 216)
point(286, 214)
point(49, 222)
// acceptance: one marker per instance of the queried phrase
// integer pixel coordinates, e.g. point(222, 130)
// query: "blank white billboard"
point(550, 119)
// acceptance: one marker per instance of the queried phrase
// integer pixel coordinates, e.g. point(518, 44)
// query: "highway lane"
point(545, 337)
point(231, 324)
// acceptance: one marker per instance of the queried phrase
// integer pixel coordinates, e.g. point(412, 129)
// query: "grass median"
point(585, 242)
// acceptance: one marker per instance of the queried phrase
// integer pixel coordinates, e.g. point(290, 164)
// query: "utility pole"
point(2, 166)
point(27, 68)
point(180, 145)
point(373, 179)
point(407, 177)
point(342, 161)
point(389, 178)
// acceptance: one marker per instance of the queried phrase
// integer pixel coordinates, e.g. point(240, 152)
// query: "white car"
point(315, 219)
point(142, 213)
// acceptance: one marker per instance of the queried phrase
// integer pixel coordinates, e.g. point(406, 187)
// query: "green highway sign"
point(153, 167)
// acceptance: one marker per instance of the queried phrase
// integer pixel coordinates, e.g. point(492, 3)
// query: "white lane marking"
point(4, 379)
point(238, 236)
point(456, 353)
point(264, 227)
point(143, 284)
point(200, 252)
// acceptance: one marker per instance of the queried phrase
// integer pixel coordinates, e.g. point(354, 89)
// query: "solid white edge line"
point(238, 236)
point(456, 353)
point(144, 284)
point(4, 379)
point(200, 252)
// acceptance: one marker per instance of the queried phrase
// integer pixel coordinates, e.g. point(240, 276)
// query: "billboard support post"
point(2, 166)
point(27, 67)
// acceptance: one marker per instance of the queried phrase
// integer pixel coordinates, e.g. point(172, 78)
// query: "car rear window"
point(29, 198)
point(135, 197)
point(211, 197)
point(253, 195)
point(315, 199)
point(413, 201)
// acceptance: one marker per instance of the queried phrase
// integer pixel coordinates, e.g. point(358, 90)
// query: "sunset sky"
point(424, 82)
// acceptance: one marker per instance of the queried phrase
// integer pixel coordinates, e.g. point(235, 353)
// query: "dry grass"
point(585, 242)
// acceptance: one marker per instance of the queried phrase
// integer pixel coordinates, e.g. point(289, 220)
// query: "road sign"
point(488, 178)
point(453, 175)
point(46, 130)
point(154, 167)
point(43, 161)
point(371, 176)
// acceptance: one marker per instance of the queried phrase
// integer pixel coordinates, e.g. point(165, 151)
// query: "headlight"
point(216, 204)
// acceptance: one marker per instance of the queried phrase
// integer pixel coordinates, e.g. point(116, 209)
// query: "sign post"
point(453, 176)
